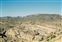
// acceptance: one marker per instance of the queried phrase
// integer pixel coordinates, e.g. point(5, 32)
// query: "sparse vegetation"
point(32, 28)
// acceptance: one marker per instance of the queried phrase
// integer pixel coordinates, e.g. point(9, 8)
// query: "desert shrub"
point(1, 29)
point(41, 39)
point(51, 36)
point(11, 26)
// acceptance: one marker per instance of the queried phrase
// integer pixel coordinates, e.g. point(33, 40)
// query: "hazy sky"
point(28, 7)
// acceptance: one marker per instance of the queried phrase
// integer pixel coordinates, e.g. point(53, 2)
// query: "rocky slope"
point(33, 28)
point(32, 33)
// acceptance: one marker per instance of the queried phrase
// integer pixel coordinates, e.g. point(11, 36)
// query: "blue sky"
point(28, 7)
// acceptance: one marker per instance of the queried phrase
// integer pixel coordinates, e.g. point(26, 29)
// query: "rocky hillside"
point(32, 28)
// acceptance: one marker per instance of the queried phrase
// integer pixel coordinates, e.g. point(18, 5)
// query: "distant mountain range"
point(48, 17)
